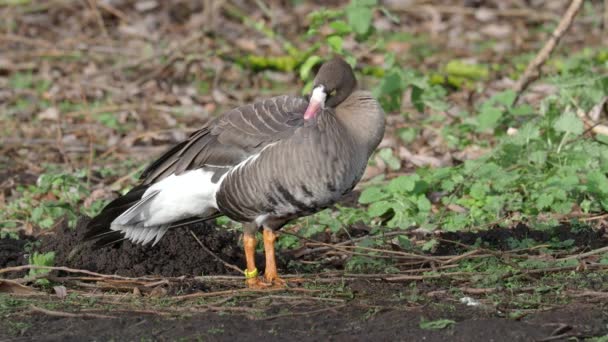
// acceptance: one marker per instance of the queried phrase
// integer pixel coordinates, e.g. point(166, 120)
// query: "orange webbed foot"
point(275, 281)
point(258, 283)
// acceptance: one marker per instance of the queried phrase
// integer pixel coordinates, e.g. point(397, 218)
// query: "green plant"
point(41, 259)
point(436, 324)
point(55, 195)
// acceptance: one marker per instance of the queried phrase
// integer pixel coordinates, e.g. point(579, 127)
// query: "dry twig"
point(225, 263)
point(533, 70)
point(67, 314)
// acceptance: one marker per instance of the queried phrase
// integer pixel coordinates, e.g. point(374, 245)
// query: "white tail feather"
point(173, 199)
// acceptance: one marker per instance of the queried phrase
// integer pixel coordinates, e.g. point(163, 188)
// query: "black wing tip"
point(98, 228)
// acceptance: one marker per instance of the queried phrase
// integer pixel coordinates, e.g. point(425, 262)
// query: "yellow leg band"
point(251, 274)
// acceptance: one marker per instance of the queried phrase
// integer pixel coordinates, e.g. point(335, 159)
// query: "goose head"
point(334, 82)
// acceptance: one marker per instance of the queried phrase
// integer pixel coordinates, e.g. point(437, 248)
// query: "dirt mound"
point(178, 253)
point(13, 253)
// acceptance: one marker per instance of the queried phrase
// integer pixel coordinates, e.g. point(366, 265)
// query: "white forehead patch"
point(318, 95)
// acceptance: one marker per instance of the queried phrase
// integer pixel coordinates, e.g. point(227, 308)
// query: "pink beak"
point(317, 102)
point(312, 110)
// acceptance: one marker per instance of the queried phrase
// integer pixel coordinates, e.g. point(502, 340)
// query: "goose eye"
point(332, 93)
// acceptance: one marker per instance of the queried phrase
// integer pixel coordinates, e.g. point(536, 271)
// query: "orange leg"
point(253, 281)
point(270, 274)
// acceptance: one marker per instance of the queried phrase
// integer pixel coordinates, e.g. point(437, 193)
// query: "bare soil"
point(353, 321)
point(168, 258)
point(368, 310)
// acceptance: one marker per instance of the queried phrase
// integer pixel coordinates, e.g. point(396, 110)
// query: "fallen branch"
point(239, 291)
point(225, 263)
point(584, 255)
point(67, 314)
point(69, 270)
point(303, 313)
point(533, 70)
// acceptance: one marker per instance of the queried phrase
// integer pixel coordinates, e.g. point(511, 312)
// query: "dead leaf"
point(456, 208)
point(596, 112)
point(158, 292)
point(97, 194)
point(9, 286)
point(61, 291)
point(485, 14)
point(50, 114)
point(496, 30)
point(419, 159)
point(144, 6)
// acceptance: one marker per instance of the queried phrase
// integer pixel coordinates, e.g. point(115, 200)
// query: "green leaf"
point(488, 118)
point(340, 27)
point(307, 66)
point(408, 135)
point(335, 43)
point(416, 98)
point(505, 98)
point(520, 110)
point(544, 201)
point(372, 194)
point(479, 190)
point(437, 324)
point(365, 3)
point(597, 182)
point(430, 245)
point(568, 122)
point(460, 69)
point(525, 134)
point(359, 15)
point(379, 208)
point(403, 184)
point(424, 205)
point(386, 154)
point(404, 242)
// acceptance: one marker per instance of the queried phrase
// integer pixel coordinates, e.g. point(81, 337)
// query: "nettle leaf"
point(340, 27)
point(538, 157)
point(424, 205)
point(524, 109)
point(335, 43)
point(386, 154)
point(379, 208)
point(359, 15)
point(525, 134)
point(597, 182)
point(568, 122)
point(544, 201)
point(603, 158)
point(403, 183)
point(390, 90)
point(372, 194)
point(488, 118)
point(479, 190)
point(416, 98)
point(505, 98)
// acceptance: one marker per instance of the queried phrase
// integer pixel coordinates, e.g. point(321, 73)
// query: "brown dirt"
point(13, 253)
point(177, 254)
point(501, 238)
point(357, 321)
point(373, 310)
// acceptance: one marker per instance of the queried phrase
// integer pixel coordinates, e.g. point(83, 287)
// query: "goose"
point(262, 164)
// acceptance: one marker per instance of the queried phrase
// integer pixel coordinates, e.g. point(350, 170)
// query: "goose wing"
point(231, 138)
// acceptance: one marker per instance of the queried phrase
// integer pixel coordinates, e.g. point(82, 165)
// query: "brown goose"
point(262, 164)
